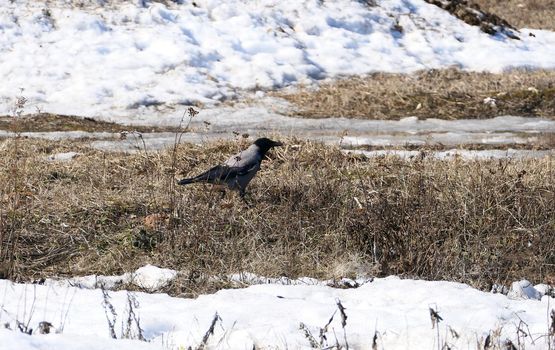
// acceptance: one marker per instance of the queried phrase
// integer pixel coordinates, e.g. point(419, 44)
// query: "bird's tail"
point(186, 181)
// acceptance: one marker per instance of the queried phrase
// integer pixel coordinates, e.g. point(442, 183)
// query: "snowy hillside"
point(392, 313)
point(138, 62)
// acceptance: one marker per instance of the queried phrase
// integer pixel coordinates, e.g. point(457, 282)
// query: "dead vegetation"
point(47, 122)
point(471, 13)
point(446, 94)
point(537, 14)
point(318, 213)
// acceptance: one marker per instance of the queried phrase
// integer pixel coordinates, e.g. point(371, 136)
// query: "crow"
point(239, 169)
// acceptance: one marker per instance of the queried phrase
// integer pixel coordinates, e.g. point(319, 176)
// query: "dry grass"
point(538, 14)
point(471, 14)
point(47, 122)
point(318, 213)
point(447, 94)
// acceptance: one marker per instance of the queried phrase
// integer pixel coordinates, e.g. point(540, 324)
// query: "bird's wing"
point(223, 173)
point(237, 166)
point(244, 158)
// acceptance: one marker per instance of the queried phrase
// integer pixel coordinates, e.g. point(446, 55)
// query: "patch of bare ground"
point(445, 94)
point(538, 14)
point(47, 122)
point(317, 212)
point(471, 14)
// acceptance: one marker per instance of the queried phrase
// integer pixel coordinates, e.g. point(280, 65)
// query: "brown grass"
point(538, 14)
point(47, 122)
point(318, 213)
point(446, 94)
point(471, 14)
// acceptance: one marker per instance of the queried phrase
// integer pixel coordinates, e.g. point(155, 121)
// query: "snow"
point(148, 277)
point(247, 279)
point(347, 133)
point(151, 277)
point(524, 289)
point(458, 153)
point(143, 63)
point(62, 157)
point(269, 315)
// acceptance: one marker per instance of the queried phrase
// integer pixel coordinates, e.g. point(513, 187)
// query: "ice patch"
point(153, 278)
point(458, 153)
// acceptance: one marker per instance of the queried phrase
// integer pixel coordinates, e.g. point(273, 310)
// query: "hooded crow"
point(239, 169)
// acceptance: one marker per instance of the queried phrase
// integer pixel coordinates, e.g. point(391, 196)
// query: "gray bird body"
point(238, 171)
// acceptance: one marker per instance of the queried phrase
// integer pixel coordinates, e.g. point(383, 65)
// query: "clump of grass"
point(315, 208)
point(445, 94)
point(471, 14)
point(47, 122)
point(131, 327)
point(536, 14)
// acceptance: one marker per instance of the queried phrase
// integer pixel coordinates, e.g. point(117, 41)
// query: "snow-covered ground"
point(274, 313)
point(134, 63)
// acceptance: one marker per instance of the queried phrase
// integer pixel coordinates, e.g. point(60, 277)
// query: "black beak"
point(276, 144)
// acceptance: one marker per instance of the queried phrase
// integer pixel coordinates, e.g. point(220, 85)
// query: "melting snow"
point(454, 153)
point(148, 277)
point(338, 131)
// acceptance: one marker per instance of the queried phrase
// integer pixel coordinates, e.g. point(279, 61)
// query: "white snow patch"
point(143, 62)
point(148, 277)
point(153, 278)
point(545, 289)
point(249, 279)
point(490, 101)
point(524, 289)
point(269, 316)
point(62, 157)
point(455, 153)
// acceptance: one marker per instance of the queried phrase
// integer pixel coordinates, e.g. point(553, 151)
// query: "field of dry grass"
point(537, 14)
point(445, 94)
point(318, 213)
point(46, 122)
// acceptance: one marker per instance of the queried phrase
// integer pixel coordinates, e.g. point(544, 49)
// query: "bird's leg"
point(242, 194)
point(223, 203)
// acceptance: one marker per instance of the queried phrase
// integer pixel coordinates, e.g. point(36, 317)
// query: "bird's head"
point(265, 144)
